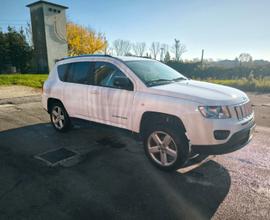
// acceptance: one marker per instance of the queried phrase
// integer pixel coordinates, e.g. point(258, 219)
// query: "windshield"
point(154, 73)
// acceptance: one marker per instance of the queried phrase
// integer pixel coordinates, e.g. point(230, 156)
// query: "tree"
point(16, 50)
point(4, 59)
point(155, 49)
point(121, 47)
point(82, 40)
point(139, 48)
point(178, 49)
point(167, 57)
point(245, 58)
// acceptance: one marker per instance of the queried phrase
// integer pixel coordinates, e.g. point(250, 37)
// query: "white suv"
point(175, 116)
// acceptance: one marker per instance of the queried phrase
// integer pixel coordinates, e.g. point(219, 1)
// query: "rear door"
point(78, 78)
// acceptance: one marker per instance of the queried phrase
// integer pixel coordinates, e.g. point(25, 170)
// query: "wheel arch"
point(50, 103)
point(151, 117)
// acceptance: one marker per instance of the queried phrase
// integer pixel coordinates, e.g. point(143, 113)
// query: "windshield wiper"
point(179, 79)
point(158, 81)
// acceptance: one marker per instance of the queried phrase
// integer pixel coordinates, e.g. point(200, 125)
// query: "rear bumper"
point(237, 141)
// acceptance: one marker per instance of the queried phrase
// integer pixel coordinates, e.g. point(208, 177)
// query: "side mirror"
point(122, 82)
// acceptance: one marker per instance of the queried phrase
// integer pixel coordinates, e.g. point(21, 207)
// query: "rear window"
point(79, 72)
point(62, 69)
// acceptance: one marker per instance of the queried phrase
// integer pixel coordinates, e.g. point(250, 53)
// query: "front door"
point(112, 104)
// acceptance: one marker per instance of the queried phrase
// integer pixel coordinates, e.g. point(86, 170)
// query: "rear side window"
point(81, 73)
point(62, 69)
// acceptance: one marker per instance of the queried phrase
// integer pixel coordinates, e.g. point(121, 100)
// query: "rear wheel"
point(59, 117)
point(166, 147)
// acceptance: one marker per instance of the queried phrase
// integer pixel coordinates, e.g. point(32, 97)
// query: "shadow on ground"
point(109, 183)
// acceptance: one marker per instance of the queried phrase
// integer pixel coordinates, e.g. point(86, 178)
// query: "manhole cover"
point(56, 156)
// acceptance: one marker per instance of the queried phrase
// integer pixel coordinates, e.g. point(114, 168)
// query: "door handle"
point(94, 92)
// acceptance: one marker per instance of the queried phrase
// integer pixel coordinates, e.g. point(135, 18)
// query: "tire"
point(166, 146)
point(59, 117)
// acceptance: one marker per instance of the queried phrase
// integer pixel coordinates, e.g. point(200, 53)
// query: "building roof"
point(48, 3)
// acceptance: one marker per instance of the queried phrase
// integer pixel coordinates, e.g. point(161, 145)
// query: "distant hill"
point(235, 63)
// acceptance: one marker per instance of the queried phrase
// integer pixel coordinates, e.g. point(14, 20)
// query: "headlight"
point(216, 112)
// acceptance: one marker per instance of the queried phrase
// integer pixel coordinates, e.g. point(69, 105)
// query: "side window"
point(62, 69)
point(80, 72)
point(105, 74)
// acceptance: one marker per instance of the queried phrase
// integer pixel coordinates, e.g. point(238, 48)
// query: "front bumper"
point(237, 141)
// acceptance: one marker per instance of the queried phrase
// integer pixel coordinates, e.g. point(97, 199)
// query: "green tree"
point(19, 52)
point(3, 51)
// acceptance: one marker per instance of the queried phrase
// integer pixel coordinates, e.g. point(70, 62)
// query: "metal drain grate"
point(57, 156)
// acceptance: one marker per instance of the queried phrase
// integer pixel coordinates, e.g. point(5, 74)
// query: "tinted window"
point(62, 69)
point(80, 72)
point(105, 74)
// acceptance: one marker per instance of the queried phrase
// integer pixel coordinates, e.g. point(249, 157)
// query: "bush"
point(253, 85)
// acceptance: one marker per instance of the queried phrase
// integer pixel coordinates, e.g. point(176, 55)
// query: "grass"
point(36, 81)
point(249, 85)
point(32, 80)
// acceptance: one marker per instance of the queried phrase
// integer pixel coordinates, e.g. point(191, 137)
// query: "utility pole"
point(202, 58)
point(162, 54)
point(177, 49)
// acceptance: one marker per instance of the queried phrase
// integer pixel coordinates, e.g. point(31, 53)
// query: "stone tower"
point(49, 34)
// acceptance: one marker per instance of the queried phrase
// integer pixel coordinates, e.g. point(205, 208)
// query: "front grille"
point(243, 111)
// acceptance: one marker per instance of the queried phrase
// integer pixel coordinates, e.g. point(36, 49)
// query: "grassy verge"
point(32, 80)
point(36, 81)
point(251, 85)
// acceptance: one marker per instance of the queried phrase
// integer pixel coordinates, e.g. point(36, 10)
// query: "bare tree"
point(121, 47)
point(110, 51)
point(244, 58)
point(155, 49)
point(139, 48)
point(178, 49)
point(28, 33)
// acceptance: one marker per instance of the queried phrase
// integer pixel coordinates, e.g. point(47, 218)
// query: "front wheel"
point(59, 117)
point(166, 147)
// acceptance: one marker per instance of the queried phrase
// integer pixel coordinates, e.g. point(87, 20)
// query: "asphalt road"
point(116, 181)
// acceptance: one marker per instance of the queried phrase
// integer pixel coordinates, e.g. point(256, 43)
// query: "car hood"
point(202, 92)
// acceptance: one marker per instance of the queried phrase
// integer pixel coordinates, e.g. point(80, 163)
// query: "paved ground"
point(117, 181)
point(17, 91)
point(261, 104)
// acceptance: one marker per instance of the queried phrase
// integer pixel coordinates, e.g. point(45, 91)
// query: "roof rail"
point(84, 55)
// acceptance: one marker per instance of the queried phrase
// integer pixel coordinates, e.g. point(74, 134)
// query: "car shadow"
point(109, 182)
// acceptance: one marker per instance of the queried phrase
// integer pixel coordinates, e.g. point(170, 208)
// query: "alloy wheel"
point(58, 117)
point(162, 148)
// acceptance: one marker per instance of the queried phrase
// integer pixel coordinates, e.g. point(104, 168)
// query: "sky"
point(223, 28)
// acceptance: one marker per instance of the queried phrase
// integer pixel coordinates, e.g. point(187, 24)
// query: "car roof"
point(130, 58)
point(122, 58)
